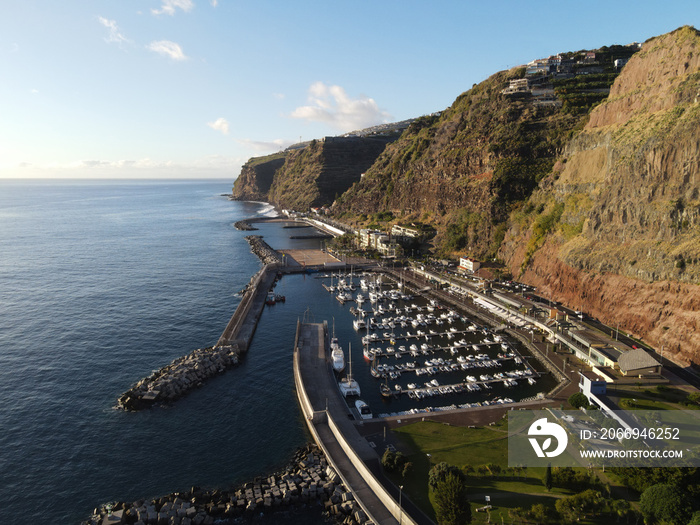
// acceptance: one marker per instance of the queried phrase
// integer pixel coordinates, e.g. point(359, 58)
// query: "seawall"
point(189, 372)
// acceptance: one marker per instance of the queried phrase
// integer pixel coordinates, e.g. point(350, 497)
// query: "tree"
point(621, 508)
point(694, 397)
point(392, 461)
point(548, 477)
point(665, 503)
point(578, 400)
point(440, 471)
point(540, 513)
point(451, 504)
point(584, 504)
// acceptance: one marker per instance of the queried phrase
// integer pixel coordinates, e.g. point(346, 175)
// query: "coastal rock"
point(180, 377)
point(276, 493)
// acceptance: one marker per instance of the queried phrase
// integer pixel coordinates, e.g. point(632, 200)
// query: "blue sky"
point(193, 88)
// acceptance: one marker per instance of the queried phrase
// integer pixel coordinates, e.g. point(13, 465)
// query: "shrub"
point(578, 400)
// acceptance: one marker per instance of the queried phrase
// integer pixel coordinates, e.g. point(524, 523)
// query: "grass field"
point(473, 449)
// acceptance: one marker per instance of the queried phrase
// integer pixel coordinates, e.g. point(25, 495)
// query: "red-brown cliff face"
point(619, 230)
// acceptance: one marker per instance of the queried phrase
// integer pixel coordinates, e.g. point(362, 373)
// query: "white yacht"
point(348, 386)
point(359, 324)
point(337, 354)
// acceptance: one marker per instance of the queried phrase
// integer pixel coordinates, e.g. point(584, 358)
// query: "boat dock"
point(333, 427)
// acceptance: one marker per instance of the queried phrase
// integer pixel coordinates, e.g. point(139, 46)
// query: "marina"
point(421, 356)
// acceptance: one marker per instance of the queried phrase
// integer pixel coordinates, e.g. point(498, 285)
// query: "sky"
point(194, 88)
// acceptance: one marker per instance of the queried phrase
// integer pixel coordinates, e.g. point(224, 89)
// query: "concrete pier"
point(329, 420)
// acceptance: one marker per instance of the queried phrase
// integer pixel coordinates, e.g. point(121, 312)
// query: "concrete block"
point(115, 518)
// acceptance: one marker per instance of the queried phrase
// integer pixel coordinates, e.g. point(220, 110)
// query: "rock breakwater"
point(260, 248)
point(244, 225)
point(308, 482)
point(180, 377)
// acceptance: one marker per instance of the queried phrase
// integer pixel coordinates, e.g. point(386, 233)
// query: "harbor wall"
point(389, 502)
point(319, 417)
point(187, 373)
point(241, 326)
point(314, 418)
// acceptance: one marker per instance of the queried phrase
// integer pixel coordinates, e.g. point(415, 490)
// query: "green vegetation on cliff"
point(466, 168)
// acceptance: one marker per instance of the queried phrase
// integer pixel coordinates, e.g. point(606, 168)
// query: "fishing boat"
point(348, 386)
point(363, 409)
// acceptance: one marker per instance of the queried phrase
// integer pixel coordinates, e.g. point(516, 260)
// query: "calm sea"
point(101, 283)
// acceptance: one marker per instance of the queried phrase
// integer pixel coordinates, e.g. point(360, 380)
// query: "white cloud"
point(260, 145)
point(214, 3)
point(167, 48)
point(169, 7)
point(279, 96)
point(115, 35)
point(331, 105)
point(220, 124)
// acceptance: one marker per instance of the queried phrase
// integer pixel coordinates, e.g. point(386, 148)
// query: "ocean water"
point(101, 283)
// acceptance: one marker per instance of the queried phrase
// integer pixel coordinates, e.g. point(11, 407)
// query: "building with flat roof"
point(468, 264)
point(591, 385)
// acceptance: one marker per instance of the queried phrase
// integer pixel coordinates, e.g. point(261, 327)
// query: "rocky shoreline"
point(180, 377)
point(308, 482)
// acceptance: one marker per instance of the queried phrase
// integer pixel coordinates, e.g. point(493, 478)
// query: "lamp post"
point(400, 507)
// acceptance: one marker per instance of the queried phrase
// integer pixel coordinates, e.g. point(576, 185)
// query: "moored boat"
point(363, 409)
point(337, 354)
point(337, 357)
point(385, 390)
point(347, 385)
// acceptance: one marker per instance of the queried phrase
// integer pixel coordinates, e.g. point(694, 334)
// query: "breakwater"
point(308, 482)
point(186, 373)
point(180, 377)
point(260, 248)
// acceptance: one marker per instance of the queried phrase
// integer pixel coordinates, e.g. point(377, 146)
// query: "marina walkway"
point(328, 415)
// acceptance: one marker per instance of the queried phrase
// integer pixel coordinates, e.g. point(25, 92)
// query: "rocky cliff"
point(255, 179)
point(616, 230)
point(312, 176)
point(465, 169)
point(594, 198)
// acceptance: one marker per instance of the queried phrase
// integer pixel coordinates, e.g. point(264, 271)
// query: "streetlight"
point(400, 507)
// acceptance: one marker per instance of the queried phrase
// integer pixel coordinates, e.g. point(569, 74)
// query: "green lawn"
point(645, 398)
point(470, 448)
